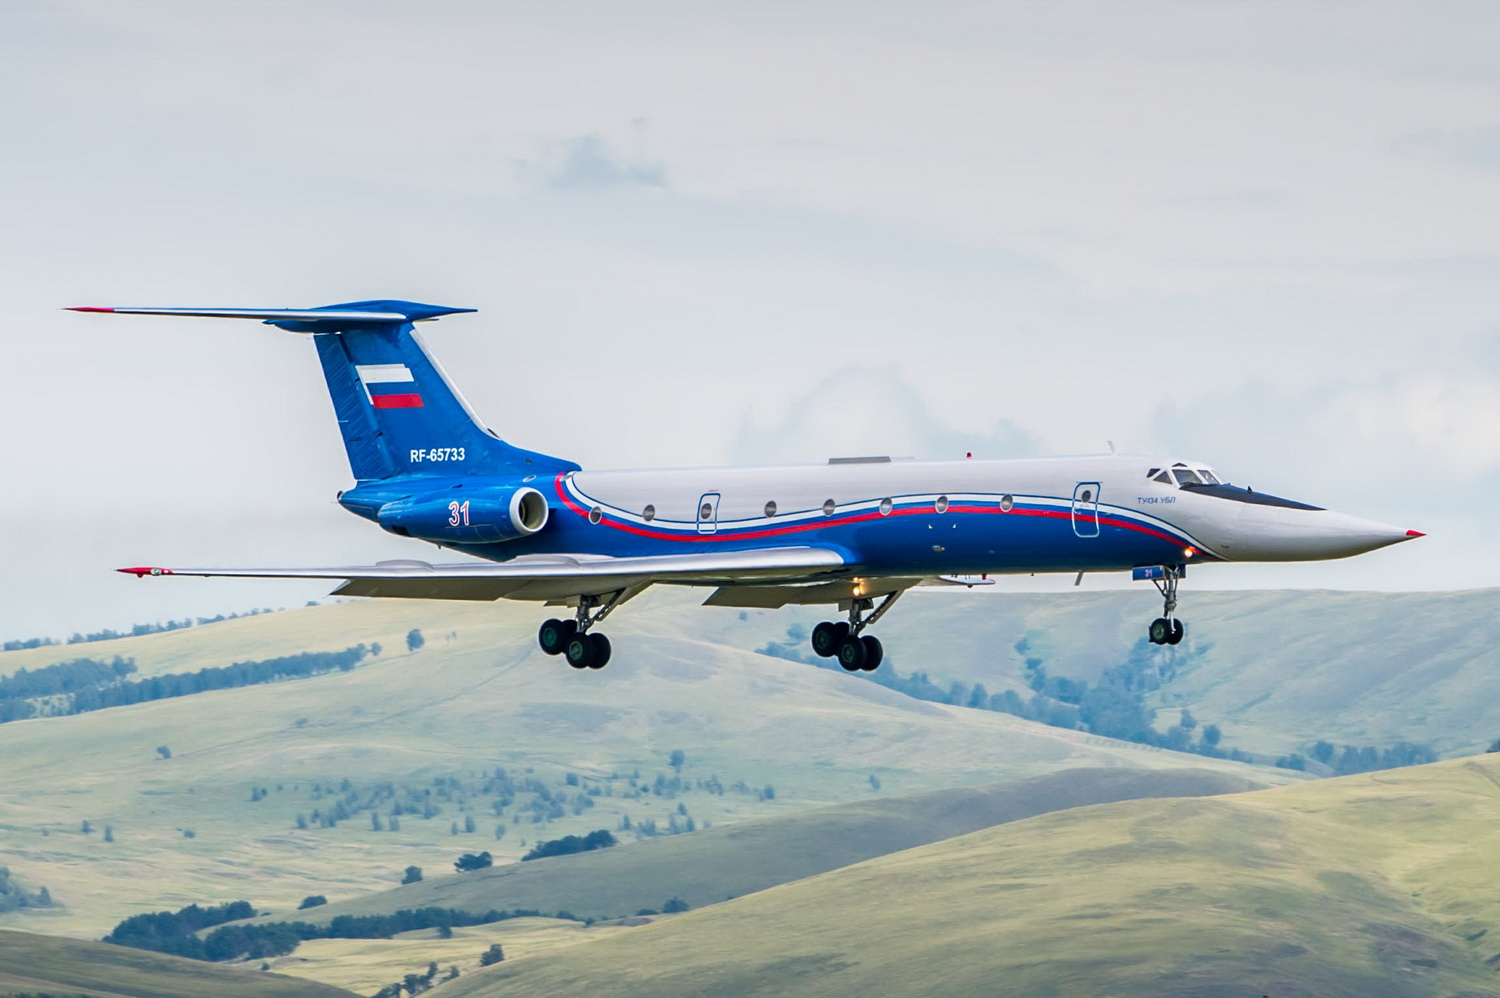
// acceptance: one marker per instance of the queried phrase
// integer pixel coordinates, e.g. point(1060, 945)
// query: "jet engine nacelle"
point(480, 516)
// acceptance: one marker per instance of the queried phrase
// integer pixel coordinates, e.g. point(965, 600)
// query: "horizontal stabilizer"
point(327, 318)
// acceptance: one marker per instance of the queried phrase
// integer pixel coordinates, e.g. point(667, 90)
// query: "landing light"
point(1188, 552)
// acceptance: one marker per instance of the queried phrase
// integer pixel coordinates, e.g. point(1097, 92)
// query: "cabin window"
point(941, 505)
point(596, 514)
point(770, 509)
point(886, 506)
point(829, 506)
point(649, 512)
point(1088, 495)
point(1007, 501)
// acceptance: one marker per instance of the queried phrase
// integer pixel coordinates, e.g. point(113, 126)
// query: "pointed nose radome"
point(1272, 534)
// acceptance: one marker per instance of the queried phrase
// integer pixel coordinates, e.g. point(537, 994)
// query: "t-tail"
point(399, 414)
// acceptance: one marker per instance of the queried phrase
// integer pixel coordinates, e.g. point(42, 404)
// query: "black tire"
point(1178, 630)
point(580, 651)
point(554, 634)
point(852, 653)
point(601, 651)
point(827, 637)
point(1160, 631)
point(874, 652)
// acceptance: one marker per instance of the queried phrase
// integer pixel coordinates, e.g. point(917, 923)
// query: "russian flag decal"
point(389, 386)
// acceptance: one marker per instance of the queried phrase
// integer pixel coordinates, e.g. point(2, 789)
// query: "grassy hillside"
point(1276, 671)
point(34, 964)
point(433, 726)
point(734, 860)
point(1374, 885)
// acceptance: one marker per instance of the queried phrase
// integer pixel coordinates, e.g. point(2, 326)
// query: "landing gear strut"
point(1167, 629)
point(571, 638)
point(855, 651)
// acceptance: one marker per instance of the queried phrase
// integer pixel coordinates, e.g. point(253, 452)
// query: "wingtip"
point(86, 308)
point(1415, 533)
point(141, 571)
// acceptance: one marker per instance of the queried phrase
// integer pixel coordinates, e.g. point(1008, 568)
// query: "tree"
point(1494, 746)
point(1212, 735)
point(445, 932)
point(163, 751)
point(109, 833)
point(468, 861)
point(674, 904)
point(413, 875)
point(87, 829)
point(874, 782)
point(414, 639)
point(1323, 751)
point(468, 823)
point(312, 901)
point(492, 955)
point(375, 825)
point(677, 759)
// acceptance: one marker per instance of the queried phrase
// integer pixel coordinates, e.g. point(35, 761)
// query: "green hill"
point(428, 730)
point(46, 965)
point(1277, 671)
point(734, 860)
point(1370, 886)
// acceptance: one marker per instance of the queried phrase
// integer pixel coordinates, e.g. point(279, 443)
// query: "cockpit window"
point(1152, 472)
point(1165, 476)
point(1187, 476)
point(1209, 478)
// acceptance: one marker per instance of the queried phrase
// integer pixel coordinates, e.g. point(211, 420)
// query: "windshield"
point(1194, 476)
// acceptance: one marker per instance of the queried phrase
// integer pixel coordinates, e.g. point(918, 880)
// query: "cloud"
point(588, 162)
point(862, 412)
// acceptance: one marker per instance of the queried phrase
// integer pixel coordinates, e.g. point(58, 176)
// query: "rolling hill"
point(31, 964)
point(733, 860)
point(94, 812)
point(1376, 886)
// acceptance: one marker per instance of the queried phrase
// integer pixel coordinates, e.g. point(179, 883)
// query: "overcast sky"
point(1262, 235)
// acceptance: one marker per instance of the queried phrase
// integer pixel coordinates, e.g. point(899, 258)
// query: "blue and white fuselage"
point(848, 532)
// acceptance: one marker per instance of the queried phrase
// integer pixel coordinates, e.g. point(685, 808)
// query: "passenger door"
point(1086, 509)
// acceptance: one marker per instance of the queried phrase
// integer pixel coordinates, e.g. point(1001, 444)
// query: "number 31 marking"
point(458, 515)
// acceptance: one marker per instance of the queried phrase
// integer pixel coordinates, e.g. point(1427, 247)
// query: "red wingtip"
point(87, 308)
point(141, 571)
point(1415, 533)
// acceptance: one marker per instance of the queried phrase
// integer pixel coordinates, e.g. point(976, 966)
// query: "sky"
point(1262, 235)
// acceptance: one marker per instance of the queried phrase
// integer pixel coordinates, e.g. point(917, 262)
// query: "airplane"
point(855, 532)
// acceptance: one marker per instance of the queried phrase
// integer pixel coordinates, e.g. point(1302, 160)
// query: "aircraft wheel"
point(874, 652)
point(601, 651)
point(1160, 631)
point(554, 635)
point(852, 653)
point(580, 651)
point(827, 637)
point(1178, 630)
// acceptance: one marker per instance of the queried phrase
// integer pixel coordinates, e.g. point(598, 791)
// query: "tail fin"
point(397, 411)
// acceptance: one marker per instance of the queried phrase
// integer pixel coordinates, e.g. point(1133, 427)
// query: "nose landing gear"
point(571, 638)
point(1167, 629)
point(855, 651)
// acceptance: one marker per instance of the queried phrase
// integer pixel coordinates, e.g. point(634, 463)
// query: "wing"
point(772, 596)
point(549, 577)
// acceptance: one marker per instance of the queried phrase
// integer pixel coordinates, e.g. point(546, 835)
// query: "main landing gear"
point(855, 651)
point(1167, 629)
point(571, 638)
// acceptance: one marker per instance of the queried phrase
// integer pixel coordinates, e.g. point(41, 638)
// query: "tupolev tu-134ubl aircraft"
point(856, 532)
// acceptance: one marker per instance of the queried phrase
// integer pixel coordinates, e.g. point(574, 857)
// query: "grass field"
point(34, 964)
point(478, 696)
point(1374, 885)
point(739, 859)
